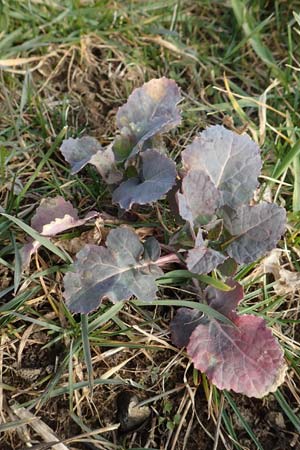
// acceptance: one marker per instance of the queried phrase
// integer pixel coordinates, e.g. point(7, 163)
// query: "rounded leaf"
point(256, 230)
point(245, 358)
point(231, 160)
point(150, 110)
point(53, 216)
point(225, 302)
point(87, 150)
point(202, 260)
point(158, 177)
point(116, 272)
point(183, 324)
point(199, 196)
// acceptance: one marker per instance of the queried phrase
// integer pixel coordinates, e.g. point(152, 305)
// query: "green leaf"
point(185, 274)
point(18, 265)
point(242, 420)
point(287, 160)
point(288, 410)
point(186, 303)
point(87, 349)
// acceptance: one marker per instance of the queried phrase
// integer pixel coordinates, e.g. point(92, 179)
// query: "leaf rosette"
point(224, 228)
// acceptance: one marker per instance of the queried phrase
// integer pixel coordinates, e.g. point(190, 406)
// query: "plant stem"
point(168, 259)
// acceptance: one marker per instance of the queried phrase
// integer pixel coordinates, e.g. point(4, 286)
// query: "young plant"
point(224, 227)
point(137, 150)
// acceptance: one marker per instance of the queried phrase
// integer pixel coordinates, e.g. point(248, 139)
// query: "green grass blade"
point(87, 348)
point(46, 394)
point(18, 264)
point(288, 410)
point(71, 381)
point(287, 160)
point(246, 21)
point(87, 430)
point(15, 424)
point(177, 275)
point(38, 237)
point(296, 191)
point(41, 164)
point(6, 264)
point(12, 305)
point(105, 317)
point(5, 292)
point(245, 424)
point(82, 384)
point(210, 312)
point(41, 323)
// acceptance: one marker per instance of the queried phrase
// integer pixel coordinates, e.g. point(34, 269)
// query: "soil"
point(264, 416)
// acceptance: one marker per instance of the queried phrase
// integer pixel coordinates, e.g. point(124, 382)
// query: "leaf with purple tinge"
point(256, 230)
point(117, 272)
point(157, 178)
point(183, 324)
point(87, 150)
point(203, 259)
point(245, 357)
point(232, 162)
point(225, 302)
point(150, 110)
point(53, 216)
point(199, 196)
point(151, 249)
point(27, 251)
point(186, 319)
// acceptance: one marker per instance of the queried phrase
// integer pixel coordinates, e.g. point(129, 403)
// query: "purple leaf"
point(245, 358)
point(232, 162)
point(117, 272)
point(53, 216)
point(199, 196)
point(152, 249)
point(158, 176)
point(150, 110)
point(183, 324)
point(256, 230)
point(202, 259)
point(225, 302)
point(27, 251)
point(87, 150)
point(186, 319)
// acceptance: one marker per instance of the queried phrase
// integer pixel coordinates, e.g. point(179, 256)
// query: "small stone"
point(130, 415)
point(277, 419)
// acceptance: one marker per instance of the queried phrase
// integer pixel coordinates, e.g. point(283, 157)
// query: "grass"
point(65, 69)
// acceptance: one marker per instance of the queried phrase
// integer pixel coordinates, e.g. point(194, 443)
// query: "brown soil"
point(265, 418)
